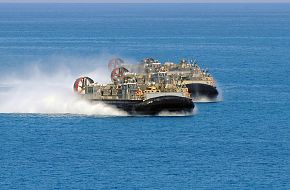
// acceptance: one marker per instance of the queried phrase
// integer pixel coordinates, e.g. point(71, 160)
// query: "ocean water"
point(51, 140)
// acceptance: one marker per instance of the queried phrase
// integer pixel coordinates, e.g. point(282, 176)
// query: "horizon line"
point(57, 2)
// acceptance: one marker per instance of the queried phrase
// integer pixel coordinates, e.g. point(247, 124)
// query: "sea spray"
point(41, 89)
point(44, 99)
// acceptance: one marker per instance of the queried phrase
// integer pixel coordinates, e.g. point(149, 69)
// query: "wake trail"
point(49, 91)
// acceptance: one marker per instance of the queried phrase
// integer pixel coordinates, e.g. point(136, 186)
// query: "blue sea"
point(48, 141)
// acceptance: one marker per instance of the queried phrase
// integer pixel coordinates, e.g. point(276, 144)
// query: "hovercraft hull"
point(153, 106)
point(202, 90)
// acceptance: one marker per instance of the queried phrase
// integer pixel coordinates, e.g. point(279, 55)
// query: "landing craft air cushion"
point(127, 94)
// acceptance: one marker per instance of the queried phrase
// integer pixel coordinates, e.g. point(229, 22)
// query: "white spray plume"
point(45, 86)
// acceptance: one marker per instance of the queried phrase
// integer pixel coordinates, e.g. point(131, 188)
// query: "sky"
point(145, 1)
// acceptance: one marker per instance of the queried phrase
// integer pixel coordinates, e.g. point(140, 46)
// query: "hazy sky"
point(147, 1)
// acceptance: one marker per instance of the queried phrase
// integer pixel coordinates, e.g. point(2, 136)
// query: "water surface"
point(239, 143)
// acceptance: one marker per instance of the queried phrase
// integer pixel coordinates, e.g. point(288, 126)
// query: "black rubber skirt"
point(156, 105)
point(202, 90)
point(153, 106)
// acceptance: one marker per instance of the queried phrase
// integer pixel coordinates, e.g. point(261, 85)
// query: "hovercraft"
point(128, 93)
